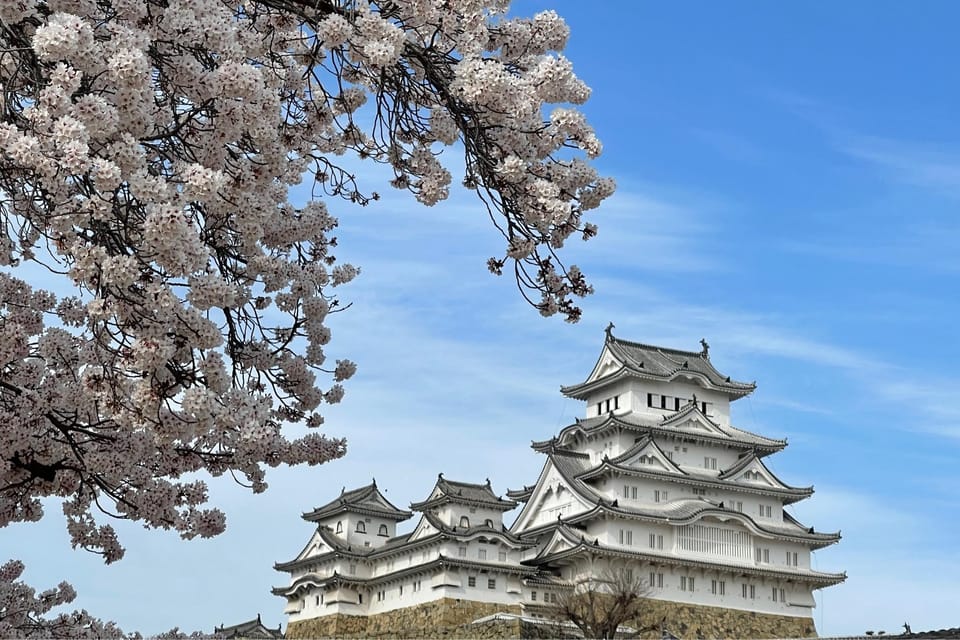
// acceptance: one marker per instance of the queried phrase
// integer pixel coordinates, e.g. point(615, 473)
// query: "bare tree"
point(599, 604)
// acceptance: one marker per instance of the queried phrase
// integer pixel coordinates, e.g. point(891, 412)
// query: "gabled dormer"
point(692, 419)
point(749, 470)
point(646, 455)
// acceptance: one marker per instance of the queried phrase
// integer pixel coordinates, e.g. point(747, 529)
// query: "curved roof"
point(729, 435)
point(638, 360)
point(446, 491)
point(573, 467)
point(366, 500)
point(583, 545)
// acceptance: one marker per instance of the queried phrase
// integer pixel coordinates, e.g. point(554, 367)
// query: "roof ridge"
point(665, 350)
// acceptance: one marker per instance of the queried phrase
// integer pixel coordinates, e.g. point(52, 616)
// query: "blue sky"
point(789, 187)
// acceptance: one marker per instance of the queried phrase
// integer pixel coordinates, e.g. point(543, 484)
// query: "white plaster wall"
point(450, 514)
point(637, 390)
point(702, 595)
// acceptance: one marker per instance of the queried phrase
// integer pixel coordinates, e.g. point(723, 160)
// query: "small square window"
point(491, 583)
point(472, 581)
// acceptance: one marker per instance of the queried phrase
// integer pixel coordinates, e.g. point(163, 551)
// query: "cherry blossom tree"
point(22, 610)
point(147, 153)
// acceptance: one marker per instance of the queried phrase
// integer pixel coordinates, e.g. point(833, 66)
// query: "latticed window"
point(715, 541)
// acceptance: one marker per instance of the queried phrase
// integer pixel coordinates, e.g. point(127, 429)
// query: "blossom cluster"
point(147, 151)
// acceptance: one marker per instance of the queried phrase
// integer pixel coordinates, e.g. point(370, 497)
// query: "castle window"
point(465, 522)
point(739, 506)
point(686, 583)
point(488, 522)
point(633, 492)
point(710, 463)
point(718, 587)
point(533, 596)
point(318, 601)
point(656, 541)
point(359, 598)
point(352, 569)
point(650, 400)
point(492, 583)
point(792, 558)
point(383, 530)
point(472, 581)
point(361, 527)
point(482, 554)
point(553, 598)
point(502, 556)
point(401, 590)
point(462, 552)
point(659, 495)
point(339, 527)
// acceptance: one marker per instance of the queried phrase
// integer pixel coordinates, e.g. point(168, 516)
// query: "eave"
point(818, 579)
point(764, 446)
point(789, 495)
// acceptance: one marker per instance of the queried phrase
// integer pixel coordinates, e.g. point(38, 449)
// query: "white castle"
point(654, 479)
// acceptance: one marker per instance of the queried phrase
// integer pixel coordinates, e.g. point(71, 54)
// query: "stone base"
point(447, 617)
point(451, 618)
point(689, 622)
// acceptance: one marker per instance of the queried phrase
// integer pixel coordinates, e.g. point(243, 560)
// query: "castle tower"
point(657, 480)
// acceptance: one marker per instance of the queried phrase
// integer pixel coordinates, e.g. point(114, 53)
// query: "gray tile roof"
point(367, 500)
point(661, 363)
point(641, 425)
point(464, 493)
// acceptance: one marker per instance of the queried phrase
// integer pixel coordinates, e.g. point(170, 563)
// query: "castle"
point(654, 479)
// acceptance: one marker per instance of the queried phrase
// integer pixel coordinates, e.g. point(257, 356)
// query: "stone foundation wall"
point(689, 622)
point(447, 617)
point(450, 618)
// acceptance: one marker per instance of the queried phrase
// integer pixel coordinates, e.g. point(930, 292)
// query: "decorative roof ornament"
point(609, 331)
point(706, 348)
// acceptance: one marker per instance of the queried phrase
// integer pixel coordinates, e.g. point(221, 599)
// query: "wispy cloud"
point(924, 165)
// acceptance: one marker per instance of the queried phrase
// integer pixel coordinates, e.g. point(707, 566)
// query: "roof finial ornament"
point(343, 490)
point(609, 331)
point(374, 483)
point(488, 482)
point(706, 348)
point(440, 476)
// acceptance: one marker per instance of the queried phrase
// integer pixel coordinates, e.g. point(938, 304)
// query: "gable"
point(695, 422)
point(755, 473)
point(314, 547)
point(551, 497)
point(607, 364)
point(648, 457)
point(422, 530)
